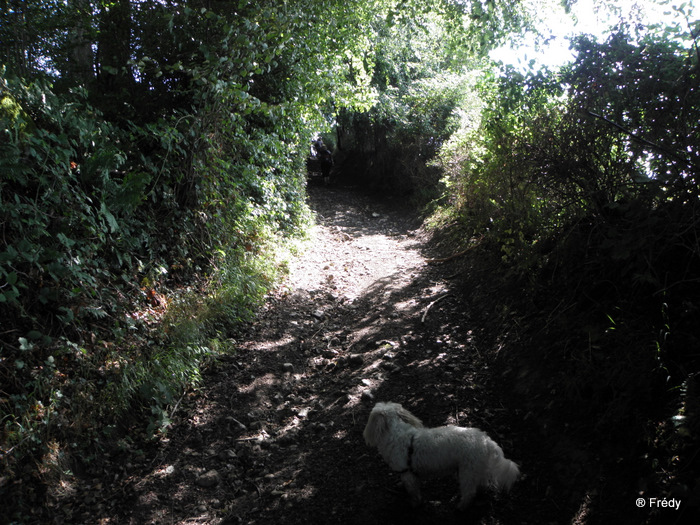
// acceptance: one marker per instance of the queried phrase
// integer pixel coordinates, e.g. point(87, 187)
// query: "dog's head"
point(381, 419)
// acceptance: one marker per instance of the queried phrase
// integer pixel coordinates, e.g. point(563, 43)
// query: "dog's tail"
point(503, 472)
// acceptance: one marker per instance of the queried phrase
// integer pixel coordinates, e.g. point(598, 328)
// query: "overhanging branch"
point(642, 140)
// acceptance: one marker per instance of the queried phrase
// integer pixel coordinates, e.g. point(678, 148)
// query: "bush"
point(583, 183)
point(130, 256)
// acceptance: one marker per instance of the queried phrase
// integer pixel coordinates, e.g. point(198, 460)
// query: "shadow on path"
point(275, 434)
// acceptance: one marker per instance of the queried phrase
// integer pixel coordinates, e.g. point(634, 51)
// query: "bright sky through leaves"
point(595, 17)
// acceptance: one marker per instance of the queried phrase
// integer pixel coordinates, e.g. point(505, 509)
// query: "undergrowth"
point(94, 394)
point(587, 258)
point(122, 273)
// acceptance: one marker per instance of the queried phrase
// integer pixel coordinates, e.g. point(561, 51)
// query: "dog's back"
point(413, 450)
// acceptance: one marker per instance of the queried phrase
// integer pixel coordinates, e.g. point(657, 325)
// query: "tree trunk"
point(16, 39)
point(114, 47)
point(80, 67)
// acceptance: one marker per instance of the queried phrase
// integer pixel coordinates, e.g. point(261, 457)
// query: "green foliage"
point(145, 182)
point(89, 219)
point(584, 184)
point(419, 57)
point(58, 190)
point(606, 139)
point(491, 171)
point(151, 160)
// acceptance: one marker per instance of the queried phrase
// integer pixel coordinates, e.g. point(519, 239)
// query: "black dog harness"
point(409, 459)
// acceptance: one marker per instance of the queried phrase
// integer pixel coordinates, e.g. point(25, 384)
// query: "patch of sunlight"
point(276, 344)
point(340, 434)
point(258, 383)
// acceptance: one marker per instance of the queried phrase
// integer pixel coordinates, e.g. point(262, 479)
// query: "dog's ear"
point(377, 425)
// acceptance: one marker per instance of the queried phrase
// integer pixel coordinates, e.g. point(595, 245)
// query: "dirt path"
point(275, 434)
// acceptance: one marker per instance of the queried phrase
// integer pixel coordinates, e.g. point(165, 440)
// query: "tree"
point(421, 57)
point(155, 144)
point(80, 57)
point(28, 34)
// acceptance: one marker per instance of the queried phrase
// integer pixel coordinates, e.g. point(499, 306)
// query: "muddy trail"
point(274, 436)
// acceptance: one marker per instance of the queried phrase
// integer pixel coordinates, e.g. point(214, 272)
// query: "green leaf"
point(24, 344)
point(65, 241)
point(111, 221)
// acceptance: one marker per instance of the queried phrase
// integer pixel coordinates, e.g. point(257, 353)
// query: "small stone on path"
point(208, 479)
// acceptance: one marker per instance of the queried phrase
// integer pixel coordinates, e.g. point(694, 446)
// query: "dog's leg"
point(412, 485)
point(467, 488)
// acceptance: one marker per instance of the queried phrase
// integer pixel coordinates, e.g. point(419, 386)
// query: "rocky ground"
point(274, 435)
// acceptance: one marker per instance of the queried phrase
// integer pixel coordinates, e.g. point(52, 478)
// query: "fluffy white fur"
point(415, 451)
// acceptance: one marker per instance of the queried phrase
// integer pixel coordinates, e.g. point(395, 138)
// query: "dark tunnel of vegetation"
point(153, 152)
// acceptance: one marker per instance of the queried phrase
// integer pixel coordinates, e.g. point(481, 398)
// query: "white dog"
point(415, 451)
